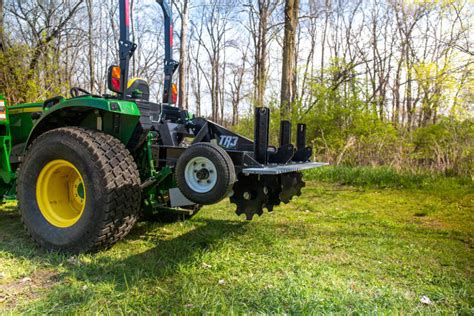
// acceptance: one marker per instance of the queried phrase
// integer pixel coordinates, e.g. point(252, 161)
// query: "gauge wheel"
point(205, 173)
point(78, 190)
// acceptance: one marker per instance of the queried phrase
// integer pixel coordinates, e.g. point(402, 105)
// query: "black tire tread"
point(115, 165)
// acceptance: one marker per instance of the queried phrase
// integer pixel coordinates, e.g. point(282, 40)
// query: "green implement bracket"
point(5, 143)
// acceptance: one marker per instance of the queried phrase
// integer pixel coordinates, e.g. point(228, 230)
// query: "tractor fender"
point(118, 117)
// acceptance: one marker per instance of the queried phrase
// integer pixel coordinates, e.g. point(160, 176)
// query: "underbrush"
point(385, 177)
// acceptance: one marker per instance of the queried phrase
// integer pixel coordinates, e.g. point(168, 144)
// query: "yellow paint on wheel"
point(60, 193)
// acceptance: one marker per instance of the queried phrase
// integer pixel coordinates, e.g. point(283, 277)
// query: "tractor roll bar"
point(170, 64)
point(127, 48)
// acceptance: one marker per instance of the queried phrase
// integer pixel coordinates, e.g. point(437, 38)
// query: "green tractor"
point(84, 168)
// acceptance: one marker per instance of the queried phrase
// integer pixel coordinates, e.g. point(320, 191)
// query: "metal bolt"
point(265, 190)
point(246, 195)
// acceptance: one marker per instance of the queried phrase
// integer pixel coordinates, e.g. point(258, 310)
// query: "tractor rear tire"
point(205, 173)
point(78, 190)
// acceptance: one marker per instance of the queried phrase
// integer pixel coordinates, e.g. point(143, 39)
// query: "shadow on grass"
point(117, 268)
point(12, 233)
point(166, 254)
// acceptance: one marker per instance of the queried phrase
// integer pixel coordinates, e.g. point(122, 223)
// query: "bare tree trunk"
point(323, 41)
point(374, 65)
point(90, 17)
point(2, 45)
point(396, 94)
point(289, 52)
point(409, 108)
point(195, 53)
point(258, 25)
point(236, 87)
point(183, 57)
point(262, 52)
point(294, 80)
point(221, 89)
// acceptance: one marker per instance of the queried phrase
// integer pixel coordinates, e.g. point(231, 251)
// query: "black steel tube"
point(301, 136)
point(285, 133)
point(125, 46)
point(168, 24)
point(262, 123)
point(170, 64)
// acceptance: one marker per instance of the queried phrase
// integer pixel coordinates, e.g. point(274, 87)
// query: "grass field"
point(338, 248)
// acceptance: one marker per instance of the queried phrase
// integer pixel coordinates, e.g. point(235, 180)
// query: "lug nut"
point(246, 195)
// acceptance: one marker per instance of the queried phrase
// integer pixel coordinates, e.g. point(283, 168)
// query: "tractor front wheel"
point(78, 190)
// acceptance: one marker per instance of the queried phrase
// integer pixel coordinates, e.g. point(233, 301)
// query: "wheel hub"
point(200, 174)
point(60, 193)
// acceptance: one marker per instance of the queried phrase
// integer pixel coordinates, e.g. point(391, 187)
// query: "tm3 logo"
point(227, 141)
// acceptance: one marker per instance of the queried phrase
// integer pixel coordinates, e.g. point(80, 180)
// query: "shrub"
point(385, 177)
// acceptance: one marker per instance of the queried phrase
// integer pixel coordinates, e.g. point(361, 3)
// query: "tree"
point(46, 23)
point(259, 27)
point(289, 51)
point(183, 11)
point(236, 85)
point(90, 30)
point(215, 20)
point(195, 71)
point(1, 27)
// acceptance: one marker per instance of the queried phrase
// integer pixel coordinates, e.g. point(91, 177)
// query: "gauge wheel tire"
point(205, 173)
point(78, 190)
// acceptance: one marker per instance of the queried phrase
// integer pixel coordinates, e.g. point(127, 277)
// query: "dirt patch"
point(429, 222)
point(435, 224)
point(28, 287)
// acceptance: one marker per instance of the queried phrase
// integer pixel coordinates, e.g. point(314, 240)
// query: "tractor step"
point(286, 168)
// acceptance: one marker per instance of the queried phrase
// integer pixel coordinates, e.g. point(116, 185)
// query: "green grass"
point(336, 249)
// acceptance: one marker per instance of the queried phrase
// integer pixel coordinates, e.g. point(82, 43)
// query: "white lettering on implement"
point(227, 141)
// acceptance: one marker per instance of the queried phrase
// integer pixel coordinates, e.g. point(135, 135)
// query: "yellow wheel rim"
point(61, 193)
